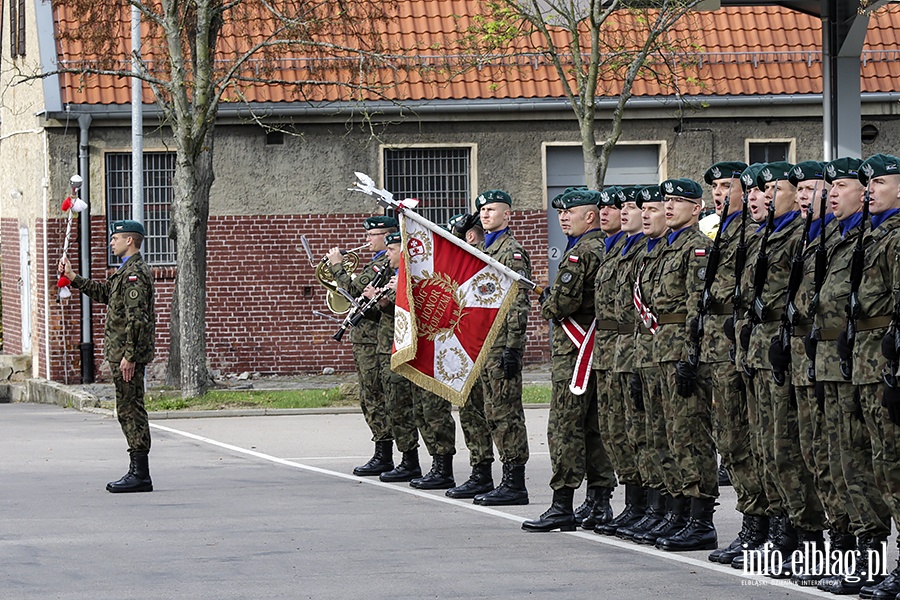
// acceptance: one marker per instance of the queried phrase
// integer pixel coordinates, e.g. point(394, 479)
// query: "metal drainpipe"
point(84, 244)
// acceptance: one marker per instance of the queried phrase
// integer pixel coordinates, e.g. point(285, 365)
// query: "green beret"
point(683, 188)
point(461, 223)
point(724, 170)
point(491, 196)
point(630, 193)
point(806, 170)
point(611, 196)
point(577, 197)
point(392, 238)
point(748, 177)
point(842, 168)
point(773, 171)
point(127, 227)
point(878, 165)
point(648, 194)
point(380, 222)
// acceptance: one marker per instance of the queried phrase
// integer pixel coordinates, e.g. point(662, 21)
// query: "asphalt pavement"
point(266, 507)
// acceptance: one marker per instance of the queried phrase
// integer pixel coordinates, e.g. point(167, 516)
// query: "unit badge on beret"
point(767, 174)
point(747, 179)
point(669, 187)
point(716, 173)
point(832, 172)
point(798, 172)
point(645, 194)
point(867, 170)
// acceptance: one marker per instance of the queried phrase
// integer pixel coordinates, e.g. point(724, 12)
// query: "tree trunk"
point(593, 177)
point(173, 366)
point(193, 179)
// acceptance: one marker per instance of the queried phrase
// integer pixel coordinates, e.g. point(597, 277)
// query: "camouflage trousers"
point(662, 472)
point(614, 426)
point(815, 429)
point(777, 406)
point(774, 505)
point(636, 429)
point(371, 394)
point(688, 431)
point(731, 431)
point(573, 433)
point(399, 406)
point(434, 421)
point(870, 514)
point(130, 408)
point(494, 412)
point(885, 439)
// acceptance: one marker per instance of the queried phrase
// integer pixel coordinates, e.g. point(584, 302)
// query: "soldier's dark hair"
point(138, 239)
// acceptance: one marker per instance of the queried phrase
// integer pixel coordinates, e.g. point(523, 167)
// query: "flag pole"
point(385, 198)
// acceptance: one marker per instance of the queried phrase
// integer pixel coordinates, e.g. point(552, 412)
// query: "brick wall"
point(261, 292)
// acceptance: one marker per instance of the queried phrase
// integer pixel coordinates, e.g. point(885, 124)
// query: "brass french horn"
point(336, 302)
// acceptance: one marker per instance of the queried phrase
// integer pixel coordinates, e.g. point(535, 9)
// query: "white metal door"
point(25, 288)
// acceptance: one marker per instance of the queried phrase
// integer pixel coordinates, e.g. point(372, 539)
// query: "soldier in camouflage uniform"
point(625, 430)
point(644, 386)
point(128, 343)
point(676, 284)
point(596, 510)
point(501, 379)
point(573, 429)
point(475, 427)
point(731, 427)
point(878, 293)
point(397, 389)
point(776, 404)
point(364, 338)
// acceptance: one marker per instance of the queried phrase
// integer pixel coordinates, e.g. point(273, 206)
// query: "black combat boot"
point(559, 516)
point(601, 513)
point(440, 477)
point(510, 492)
point(480, 482)
point(635, 508)
point(865, 574)
point(843, 542)
point(656, 510)
point(888, 589)
point(137, 479)
point(407, 470)
point(677, 510)
point(380, 462)
point(751, 536)
point(808, 573)
point(777, 525)
point(724, 479)
point(698, 534)
point(584, 511)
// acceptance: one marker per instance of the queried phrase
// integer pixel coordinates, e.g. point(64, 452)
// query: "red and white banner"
point(584, 341)
point(450, 305)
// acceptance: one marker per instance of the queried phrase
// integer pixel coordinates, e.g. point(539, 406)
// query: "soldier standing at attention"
point(731, 428)
point(625, 432)
point(596, 510)
point(476, 431)
point(869, 368)
point(676, 285)
point(397, 389)
point(501, 379)
point(573, 429)
point(128, 343)
point(365, 339)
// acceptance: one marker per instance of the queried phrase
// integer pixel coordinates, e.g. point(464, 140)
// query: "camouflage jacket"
point(130, 312)
point(624, 305)
point(644, 270)
point(675, 292)
point(745, 294)
point(831, 313)
point(367, 330)
point(805, 293)
point(605, 305)
point(715, 347)
point(572, 292)
point(386, 325)
point(877, 292)
point(508, 251)
point(783, 245)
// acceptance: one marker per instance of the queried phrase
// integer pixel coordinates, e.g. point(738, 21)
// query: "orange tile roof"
point(737, 51)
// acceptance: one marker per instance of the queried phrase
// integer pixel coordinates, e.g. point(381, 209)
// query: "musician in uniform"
point(573, 430)
point(364, 338)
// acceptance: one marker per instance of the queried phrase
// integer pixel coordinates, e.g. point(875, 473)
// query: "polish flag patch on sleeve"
point(132, 278)
point(699, 252)
point(517, 256)
point(573, 259)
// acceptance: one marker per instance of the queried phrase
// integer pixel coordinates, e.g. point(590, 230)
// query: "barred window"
point(159, 170)
point(439, 177)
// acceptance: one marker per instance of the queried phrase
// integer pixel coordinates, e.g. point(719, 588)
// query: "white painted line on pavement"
point(589, 536)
